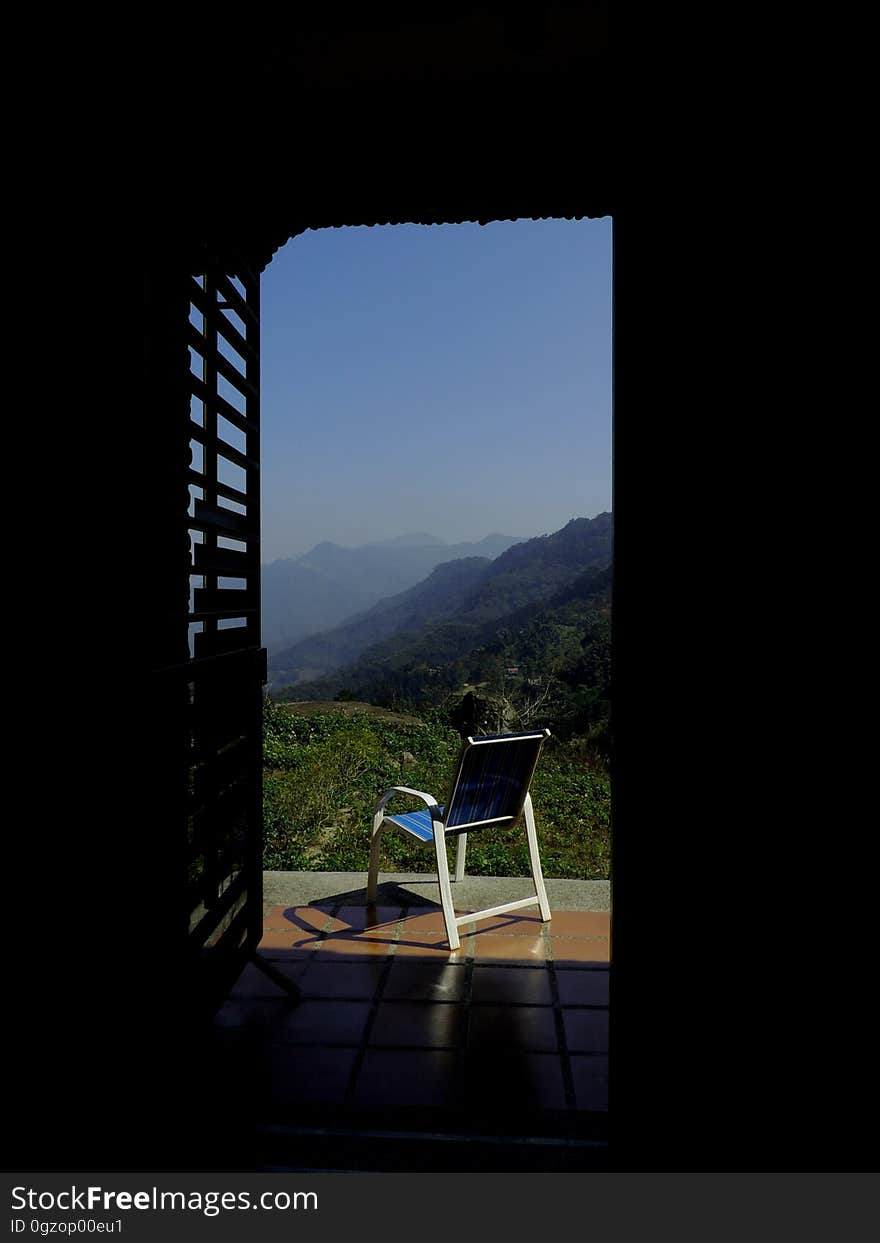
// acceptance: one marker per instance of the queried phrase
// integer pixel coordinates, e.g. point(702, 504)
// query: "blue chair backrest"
point(492, 781)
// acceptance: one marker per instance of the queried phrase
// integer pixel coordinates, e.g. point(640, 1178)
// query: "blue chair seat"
point(418, 823)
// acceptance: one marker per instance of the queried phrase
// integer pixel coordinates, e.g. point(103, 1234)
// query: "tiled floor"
point(512, 1025)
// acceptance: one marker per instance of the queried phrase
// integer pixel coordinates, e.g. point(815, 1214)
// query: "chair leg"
point(535, 858)
point(460, 852)
point(445, 891)
point(373, 873)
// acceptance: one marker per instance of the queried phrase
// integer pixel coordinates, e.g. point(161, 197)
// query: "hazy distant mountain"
point(330, 583)
point(443, 592)
point(419, 540)
point(505, 596)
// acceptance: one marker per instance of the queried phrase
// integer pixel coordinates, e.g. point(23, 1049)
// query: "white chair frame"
point(450, 919)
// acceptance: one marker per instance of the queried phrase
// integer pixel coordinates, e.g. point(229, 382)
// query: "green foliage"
point(323, 773)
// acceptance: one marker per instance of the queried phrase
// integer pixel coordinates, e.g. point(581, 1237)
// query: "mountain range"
point(329, 584)
point(449, 625)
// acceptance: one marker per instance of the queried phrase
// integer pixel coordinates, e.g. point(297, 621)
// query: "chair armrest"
point(383, 799)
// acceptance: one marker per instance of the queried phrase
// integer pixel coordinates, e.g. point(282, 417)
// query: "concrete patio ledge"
point(420, 889)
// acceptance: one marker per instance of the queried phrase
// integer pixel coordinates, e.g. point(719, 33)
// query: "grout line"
point(512, 1050)
point(564, 1064)
point(372, 1012)
point(459, 1073)
point(564, 1060)
point(467, 1137)
point(519, 963)
point(320, 935)
point(459, 1081)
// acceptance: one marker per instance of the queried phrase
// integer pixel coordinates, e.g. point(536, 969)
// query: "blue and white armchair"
point(491, 787)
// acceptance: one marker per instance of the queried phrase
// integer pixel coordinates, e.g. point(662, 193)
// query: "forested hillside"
point(538, 568)
point(529, 643)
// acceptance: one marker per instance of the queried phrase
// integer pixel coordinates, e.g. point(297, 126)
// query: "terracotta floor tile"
point(522, 924)
point(580, 924)
point(288, 943)
point(340, 977)
point(528, 1028)
point(580, 987)
point(513, 1083)
point(525, 950)
point(257, 1015)
point(277, 957)
point(355, 945)
point(586, 1031)
point(405, 1077)
point(274, 916)
point(322, 1022)
point(427, 921)
point(359, 918)
point(255, 983)
point(297, 918)
point(431, 946)
point(386, 933)
point(590, 1075)
point(305, 1074)
point(511, 984)
point(425, 981)
point(576, 950)
point(429, 1025)
point(322, 921)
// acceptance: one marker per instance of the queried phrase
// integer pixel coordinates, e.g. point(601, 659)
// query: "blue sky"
point(454, 379)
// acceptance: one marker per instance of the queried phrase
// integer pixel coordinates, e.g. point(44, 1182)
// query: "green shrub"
point(323, 773)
